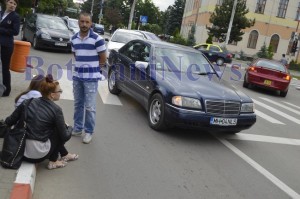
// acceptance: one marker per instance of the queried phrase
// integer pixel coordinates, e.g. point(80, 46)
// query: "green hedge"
point(294, 66)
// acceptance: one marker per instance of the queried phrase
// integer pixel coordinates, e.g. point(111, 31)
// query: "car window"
point(152, 36)
point(73, 24)
point(136, 51)
point(214, 48)
point(99, 26)
point(185, 61)
point(271, 65)
point(122, 37)
point(51, 23)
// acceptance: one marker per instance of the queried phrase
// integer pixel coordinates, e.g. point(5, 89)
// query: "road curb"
point(24, 184)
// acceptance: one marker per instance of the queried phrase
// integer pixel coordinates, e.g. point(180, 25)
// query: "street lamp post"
point(131, 14)
point(230, 22)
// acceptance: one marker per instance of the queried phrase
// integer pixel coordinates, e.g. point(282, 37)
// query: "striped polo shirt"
point(87, 56)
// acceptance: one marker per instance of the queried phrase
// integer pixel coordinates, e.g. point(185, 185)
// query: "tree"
point(209, 39)
point(221, 17)
point(191, 37)
point(265, 52)
point(175, 17)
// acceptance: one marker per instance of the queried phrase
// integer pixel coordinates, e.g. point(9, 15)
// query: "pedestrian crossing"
point(277, 112)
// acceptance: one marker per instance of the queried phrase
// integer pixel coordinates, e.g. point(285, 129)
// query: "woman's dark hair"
point(17, 1)
point(35, 84)
point(48, 86)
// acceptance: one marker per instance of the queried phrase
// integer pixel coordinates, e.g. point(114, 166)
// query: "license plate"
point(267, 82)
point(60, 44)
point(223, 121)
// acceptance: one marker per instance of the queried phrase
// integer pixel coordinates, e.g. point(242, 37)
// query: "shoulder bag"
point(14, 143)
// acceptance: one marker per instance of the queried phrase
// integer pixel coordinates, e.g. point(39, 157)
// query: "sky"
point(163, 4)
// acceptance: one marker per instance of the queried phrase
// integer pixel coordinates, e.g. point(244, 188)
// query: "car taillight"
point(287, 77)
point(253, 69)
point(229, 56)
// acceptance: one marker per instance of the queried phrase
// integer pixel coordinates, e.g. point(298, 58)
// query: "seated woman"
point(47, 130)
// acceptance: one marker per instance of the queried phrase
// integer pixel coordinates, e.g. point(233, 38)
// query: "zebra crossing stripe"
point(66, 83)
point(267, 117)
point(290, 104)
point(264, 138)
point(281, 105)
point(293, 119)
point(106, 96)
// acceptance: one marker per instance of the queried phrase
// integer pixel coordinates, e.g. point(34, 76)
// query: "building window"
point(298, 13)
point(260, 6)
point(274, 42)
point(283, 4)
point(219, 2)
point(252, 41)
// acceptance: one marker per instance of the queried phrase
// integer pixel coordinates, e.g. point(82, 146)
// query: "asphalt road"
point(128, 160)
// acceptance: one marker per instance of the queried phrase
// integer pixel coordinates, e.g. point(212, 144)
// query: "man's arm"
point(102, 59)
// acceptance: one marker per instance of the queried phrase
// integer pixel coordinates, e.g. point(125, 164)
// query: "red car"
point(268, 74)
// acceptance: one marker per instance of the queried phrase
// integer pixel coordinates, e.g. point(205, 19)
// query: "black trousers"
point(6, 53)
point(57, 147)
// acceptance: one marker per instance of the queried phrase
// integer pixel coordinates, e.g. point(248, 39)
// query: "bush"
point(209, 39)
point(294, 66)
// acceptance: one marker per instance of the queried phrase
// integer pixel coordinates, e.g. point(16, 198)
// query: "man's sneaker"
point(79, 133)
point(87, 138)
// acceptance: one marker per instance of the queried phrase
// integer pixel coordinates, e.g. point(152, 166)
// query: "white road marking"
point(281, 105)
point(298, 107)
point(264, 138)
point(293, 119)
point(106, 96)
point(267, 117)
point(66, 83)
point(260, 169)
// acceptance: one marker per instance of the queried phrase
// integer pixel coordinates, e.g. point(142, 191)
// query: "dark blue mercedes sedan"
point(178, 87)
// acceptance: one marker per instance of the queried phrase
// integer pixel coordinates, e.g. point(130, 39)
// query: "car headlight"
point(247, 108)
point(45, 36)
point(186, 102)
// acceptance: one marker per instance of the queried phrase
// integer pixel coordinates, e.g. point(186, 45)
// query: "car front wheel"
point(35, 43)
point(112, 86)
point(156, 113)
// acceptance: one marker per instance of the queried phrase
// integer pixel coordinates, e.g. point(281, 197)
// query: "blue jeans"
point(85, 94)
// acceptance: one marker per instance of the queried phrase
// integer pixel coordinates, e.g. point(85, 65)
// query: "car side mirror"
point(141, 65)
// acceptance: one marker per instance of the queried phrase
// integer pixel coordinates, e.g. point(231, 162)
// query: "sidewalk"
point(13, 180)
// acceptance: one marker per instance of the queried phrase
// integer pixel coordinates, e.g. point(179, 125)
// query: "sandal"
point(70, 157)
point(56, 165)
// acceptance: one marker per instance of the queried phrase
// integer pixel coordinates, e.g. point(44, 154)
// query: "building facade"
point(276, 22)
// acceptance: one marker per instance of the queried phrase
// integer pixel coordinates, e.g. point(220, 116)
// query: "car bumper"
point(277, 84)
point(52, 44)
point(200, 120)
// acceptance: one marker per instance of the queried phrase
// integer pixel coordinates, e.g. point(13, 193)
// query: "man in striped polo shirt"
point(90, 55)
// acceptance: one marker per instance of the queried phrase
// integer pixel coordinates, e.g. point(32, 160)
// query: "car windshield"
point(51, 23)
point(152, 36)
point(98, 26)
point(167, 59)
point(122, 37)
point(73, 23)
point(271, 65)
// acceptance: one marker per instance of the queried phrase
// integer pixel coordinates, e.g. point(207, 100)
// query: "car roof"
point(165, 44)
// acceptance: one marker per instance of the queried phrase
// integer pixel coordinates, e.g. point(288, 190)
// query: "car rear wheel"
point(112, 86)
point(156, 113)
point(245, 83)
point(35, 43)
point(283, 93)
point(220, 61)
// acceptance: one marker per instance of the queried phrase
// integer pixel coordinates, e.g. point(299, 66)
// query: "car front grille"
point(59, 39)
point(222, 108)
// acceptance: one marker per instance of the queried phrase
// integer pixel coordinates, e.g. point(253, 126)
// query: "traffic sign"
point(143, 19)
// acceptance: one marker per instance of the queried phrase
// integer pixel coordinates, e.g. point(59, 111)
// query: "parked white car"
point(121, 36)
